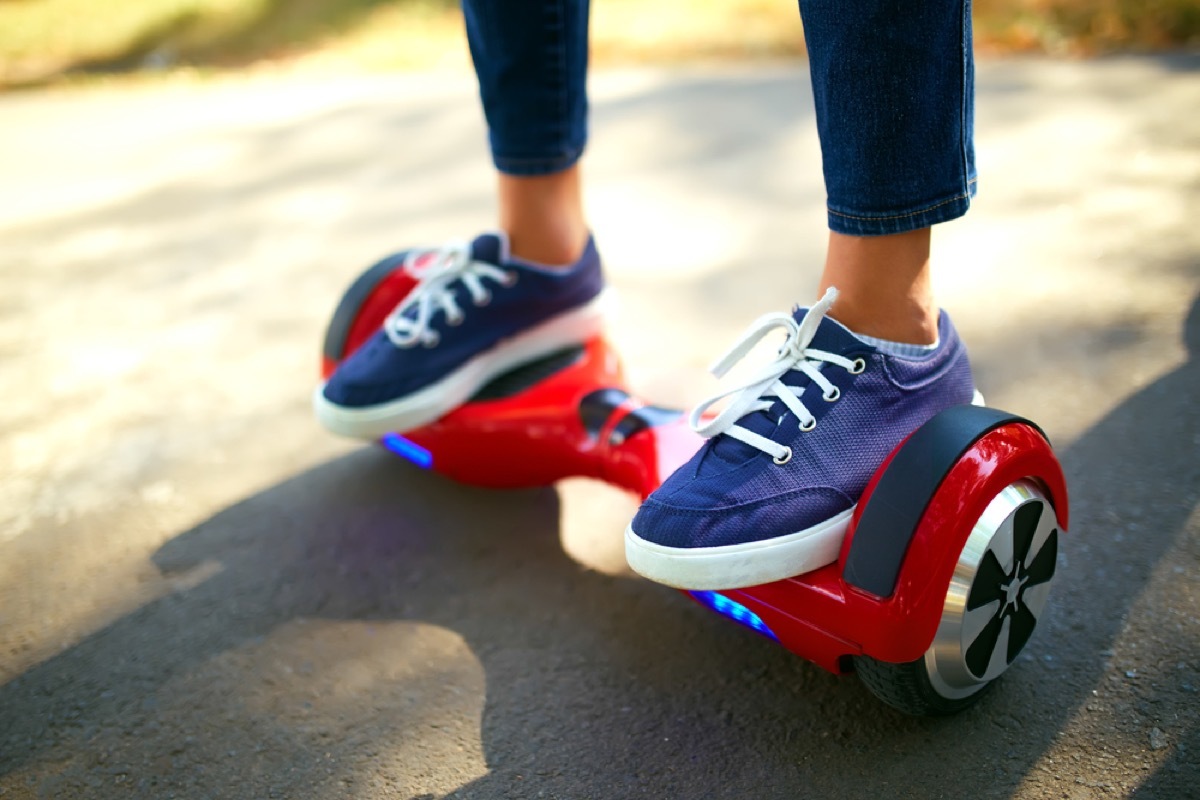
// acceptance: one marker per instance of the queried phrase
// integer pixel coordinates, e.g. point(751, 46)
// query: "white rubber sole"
point(736, 566)
point(436, 400)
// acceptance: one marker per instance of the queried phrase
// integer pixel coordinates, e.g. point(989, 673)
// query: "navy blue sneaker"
point(476, 313)
point(771, 493)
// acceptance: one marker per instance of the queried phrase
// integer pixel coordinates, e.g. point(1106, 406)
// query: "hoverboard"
point(944, 571)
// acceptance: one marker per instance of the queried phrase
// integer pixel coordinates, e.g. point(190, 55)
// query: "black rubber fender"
point(890, 517)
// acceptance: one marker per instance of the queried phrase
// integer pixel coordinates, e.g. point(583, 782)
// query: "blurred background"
point(50, 41)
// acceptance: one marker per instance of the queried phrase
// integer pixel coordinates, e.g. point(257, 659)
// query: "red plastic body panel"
point(541, 435)
point(538, 436)
point(905, 623)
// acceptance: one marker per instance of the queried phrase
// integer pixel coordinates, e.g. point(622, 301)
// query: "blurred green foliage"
point(48, 40)
point(42, 39)
point(1087, 26)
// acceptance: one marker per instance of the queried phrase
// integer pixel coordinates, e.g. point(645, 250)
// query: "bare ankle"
point(884, 286)
point(909, 321)
point(543, 216)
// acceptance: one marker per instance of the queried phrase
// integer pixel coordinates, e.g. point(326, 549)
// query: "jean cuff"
point(857, 223)
point(528, 167)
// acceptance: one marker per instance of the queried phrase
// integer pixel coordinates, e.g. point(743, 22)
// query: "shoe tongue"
point(832, 337)
point(490, 247)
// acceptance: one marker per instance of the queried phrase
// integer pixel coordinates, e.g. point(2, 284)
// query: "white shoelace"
point(449, 265)
point(756, 392)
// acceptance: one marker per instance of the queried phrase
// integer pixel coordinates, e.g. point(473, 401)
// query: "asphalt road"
point(202, 594)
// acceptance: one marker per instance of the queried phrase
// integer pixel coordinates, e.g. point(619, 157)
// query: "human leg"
point(530, 57)
point(771, 493)
point(893, 85)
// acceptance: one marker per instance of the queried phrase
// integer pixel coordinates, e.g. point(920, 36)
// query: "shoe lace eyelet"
point(510, 279)
point(859, 366)
point(785, 458)
point(483, 301)
point(455, 321)
point(431, 341)
point(808, 425)
point(832, 396)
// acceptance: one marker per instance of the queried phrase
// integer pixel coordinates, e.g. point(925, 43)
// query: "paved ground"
point(204, 595)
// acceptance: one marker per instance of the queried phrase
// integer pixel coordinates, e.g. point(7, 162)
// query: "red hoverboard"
point(946, 565)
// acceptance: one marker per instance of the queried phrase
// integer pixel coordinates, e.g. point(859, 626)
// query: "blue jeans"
point(893, 82)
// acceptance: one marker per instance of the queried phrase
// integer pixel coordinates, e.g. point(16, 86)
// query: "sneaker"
point(477, 312)
point(771, 493)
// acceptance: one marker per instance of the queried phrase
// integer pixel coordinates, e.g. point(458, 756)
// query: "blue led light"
point(408, 449)
point(735, 611)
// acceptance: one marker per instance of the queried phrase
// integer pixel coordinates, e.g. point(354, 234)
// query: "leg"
point(895, 120)
point(531, 60)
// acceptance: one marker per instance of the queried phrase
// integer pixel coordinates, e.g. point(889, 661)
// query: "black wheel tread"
point(906, 687)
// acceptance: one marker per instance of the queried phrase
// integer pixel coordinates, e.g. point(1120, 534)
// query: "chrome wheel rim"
point(998, 591)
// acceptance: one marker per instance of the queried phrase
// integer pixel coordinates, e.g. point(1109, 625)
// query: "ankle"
point(543, 216)
point(906, 320)
point(547, 244)
point(884, 286)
